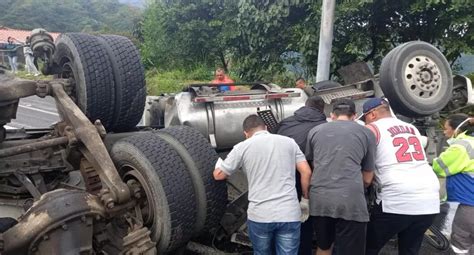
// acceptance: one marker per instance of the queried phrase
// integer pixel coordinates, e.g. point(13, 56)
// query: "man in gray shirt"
point(343, 153)
point(269, 161)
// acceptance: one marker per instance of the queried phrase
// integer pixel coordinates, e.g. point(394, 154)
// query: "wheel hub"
point(422, 77)
point(139, 186)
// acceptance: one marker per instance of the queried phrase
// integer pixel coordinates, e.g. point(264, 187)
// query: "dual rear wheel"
point(108, 78)
point(174, 169)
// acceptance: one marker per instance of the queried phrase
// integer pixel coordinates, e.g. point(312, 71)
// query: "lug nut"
point(110, 205)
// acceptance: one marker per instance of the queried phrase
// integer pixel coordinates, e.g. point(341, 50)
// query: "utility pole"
point(325, 40)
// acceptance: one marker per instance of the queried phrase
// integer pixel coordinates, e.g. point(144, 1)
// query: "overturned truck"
point(91, 183)
point(95, 183)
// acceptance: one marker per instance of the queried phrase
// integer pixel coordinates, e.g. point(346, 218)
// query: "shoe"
point(37, 74)
point(28, 74)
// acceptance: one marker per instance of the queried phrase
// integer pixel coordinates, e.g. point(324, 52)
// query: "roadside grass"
point(161, 81)
point(172, 81)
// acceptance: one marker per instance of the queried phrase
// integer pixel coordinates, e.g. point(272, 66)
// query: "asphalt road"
point(35, 112)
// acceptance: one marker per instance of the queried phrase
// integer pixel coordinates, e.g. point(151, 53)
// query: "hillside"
point(137, 3)
point(69, 15)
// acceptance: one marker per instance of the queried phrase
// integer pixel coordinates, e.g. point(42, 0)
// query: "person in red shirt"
point(223, 80)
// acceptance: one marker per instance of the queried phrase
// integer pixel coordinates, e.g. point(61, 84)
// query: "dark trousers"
point(410, 230)
point(306, 238)
point(347, 236)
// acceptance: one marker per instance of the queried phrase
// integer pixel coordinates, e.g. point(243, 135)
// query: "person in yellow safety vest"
point(456, 164)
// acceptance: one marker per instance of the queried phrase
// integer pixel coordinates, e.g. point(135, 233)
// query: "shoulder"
point(288, 120)
point(320, 127)
point(280, 137)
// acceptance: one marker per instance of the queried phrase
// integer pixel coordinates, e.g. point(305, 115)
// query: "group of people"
point(337, 163)
point(11, 51)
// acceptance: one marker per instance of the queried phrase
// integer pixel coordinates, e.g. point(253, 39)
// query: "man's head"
point(252, 124)
point(220, 74)
point(315, 102)
point(300, 83)
point(10, 39)
point(375, 109)
point(343, 109)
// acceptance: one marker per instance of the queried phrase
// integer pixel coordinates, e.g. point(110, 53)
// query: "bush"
point(161, 81)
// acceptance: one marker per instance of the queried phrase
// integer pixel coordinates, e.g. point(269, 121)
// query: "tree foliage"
point(262, 38)
point(186, 33)
point(68, 15)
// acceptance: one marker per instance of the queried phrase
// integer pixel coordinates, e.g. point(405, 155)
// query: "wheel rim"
point(422, 78)
point(146, 205)
point(67, 72)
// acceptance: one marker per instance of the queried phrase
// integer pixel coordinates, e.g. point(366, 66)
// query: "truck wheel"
point(82, 57)
point(417, 79)
point(168, 205)
point(203, 160)
point(434, 237)
point(129, 78)
point(322, 85)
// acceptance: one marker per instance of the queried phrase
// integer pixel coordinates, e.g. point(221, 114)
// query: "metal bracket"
point(115, 190)
point(28, 184)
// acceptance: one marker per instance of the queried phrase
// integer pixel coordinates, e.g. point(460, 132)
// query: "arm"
point(231, 164)
point(367, 177)
point(452, 161)
point(368, 163)
point(305, 172)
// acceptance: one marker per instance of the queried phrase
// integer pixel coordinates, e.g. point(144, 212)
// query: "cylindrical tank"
point(221, 121)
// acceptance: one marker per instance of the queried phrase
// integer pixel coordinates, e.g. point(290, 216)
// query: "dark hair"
point(456, 119)
point(343, 107)
point(253, 121)
point(315, 102)
point(300, 79)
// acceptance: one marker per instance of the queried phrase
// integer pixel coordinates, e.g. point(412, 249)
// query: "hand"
point(304, 205)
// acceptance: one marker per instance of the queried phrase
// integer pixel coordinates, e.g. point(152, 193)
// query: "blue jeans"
point(282, 237)
point(12, 63)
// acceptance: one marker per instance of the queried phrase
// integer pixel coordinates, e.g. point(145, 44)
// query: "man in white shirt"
point(406, 187)
point(269, 161)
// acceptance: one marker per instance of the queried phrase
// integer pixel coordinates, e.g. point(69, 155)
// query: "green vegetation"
point(183, 41)
point(260, 40)
point(107, 16)
point(160, 82)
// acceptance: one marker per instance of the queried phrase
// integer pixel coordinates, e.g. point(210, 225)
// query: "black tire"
point(436, 239)
point(129, 78)
point(322, 85)
point(170, 188)
point(84, 59)
point(416, 78)
point(204, 158)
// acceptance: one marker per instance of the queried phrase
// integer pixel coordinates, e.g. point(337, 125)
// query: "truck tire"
point(129, 78)
point(163, 176)
point(417, 79)
point(84, 59)
point(204, 158)
point(322, 85)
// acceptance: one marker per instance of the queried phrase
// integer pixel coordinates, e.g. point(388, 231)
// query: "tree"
point(262, 38)
point(364, 30)
point(187, 33)
point(68, 15)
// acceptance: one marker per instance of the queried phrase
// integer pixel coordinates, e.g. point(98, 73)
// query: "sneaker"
point(37, 74)
point(28, 74)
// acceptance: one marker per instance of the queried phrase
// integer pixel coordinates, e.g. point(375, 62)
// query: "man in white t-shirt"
point(406, 187)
